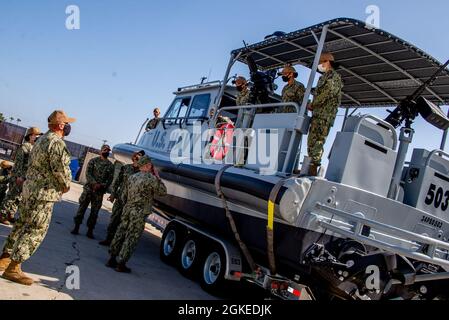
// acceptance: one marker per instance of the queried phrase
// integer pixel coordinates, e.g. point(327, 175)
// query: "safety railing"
point(383, 123)
point(427, 251)
point(237, 152)
point(200, 85)
point(441, 153)
point(258, 106)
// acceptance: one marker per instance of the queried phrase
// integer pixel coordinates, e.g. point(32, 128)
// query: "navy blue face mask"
point(67, 129)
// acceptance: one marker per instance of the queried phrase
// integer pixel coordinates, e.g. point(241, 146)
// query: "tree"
point(2, 117)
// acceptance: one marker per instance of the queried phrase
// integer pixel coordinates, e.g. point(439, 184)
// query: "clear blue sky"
point(129, 56)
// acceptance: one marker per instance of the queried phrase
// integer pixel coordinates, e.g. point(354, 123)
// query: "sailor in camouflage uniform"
point(118, 187)
point(327, 99)
point(242, 87)
point(99, 176)
point(242, 99)
point(5, 177)
point(152, 124)
point(48, 177)
point(140, 191)
point(9, 205)
point(293, 90)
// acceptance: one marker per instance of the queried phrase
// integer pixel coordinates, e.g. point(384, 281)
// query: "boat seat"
point(427, 182)
point(364, 155)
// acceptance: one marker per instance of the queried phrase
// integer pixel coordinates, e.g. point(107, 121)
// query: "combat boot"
point(90, 233)
point(4, 221)
point(76, 230)
point(4, 261)
point(313, 170)
point(14, 273)
point(121, 267)
point(112, 263)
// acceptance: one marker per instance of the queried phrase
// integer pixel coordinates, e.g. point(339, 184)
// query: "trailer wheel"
point(189, 258)
point(213, 269)
point(170, 244)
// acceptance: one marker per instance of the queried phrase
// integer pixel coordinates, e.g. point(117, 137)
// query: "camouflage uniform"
point(98, 171)
point(4, 180)
point(47, 177)
point(138, 196)
point(117, 192)
point(11, 202)
point(327, 99)
point(152, 124)
point(242, 98)
point(292, 93)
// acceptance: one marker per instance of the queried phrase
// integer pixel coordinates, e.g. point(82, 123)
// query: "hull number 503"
point(437, 197)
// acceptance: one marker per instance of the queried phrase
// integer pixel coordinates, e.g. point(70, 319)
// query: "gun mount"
point(413, 105)
point(263, 83)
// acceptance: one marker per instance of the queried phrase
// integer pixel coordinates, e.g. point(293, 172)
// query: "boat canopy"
point(378, 68)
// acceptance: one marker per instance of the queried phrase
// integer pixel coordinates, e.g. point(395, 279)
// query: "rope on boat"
point(242, 245)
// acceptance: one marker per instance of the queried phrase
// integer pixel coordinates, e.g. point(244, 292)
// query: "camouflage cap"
point(239, 79)
point(6, 164)
point(139, 153)
point(59, 117)
point(287, 69)
point(33, 130)
point(327, 56)
point(144, 161)
point(106, 146)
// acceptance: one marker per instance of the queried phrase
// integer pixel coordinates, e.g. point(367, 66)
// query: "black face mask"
point(106, 154)
point(67, 129)
point(239, 88)
point(285, 78)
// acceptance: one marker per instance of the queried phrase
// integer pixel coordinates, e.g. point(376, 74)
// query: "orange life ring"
point(222, 140)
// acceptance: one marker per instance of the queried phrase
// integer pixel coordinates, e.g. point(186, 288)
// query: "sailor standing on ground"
point(152, 124)
point(99, 176)
point(48, 177)
point(327, 99)
point(138, 196)
point(118, 188)
point(5, 177)
point(293, 90)
point(9, 205)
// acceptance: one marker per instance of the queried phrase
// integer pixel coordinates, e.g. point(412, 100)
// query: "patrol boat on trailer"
point(372, 227)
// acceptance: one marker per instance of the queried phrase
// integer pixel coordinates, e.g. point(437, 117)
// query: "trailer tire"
point(190, 256)
point(170, 243)
point(213, 268)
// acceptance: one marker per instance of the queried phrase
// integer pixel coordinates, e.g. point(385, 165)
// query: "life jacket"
point(221, 141)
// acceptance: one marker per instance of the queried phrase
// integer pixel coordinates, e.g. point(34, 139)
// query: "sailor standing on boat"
point(293, 90)
point(138, 196)
point(152, 124)
point(9, 205)
point(118, 188)
point(99, 175)
point(243, 97)
point(242, 87)
point(48, 177)
point(327, 99)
